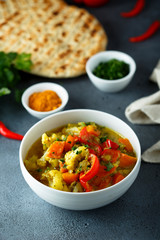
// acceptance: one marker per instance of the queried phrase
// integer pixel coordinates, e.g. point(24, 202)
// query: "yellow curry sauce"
point(80, 157)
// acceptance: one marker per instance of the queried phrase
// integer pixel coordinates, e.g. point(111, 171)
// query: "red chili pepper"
point(136, 10)
point(93, 170)
point(4, 131)
point(92, 3)
point(150, 31)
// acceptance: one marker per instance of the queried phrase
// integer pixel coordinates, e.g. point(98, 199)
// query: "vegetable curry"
point(80, 157)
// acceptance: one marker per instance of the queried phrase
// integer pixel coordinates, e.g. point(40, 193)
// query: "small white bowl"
point(39, 87)
point(85, 200)
point(110, 85)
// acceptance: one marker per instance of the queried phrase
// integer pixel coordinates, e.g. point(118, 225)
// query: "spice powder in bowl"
point(47, 100)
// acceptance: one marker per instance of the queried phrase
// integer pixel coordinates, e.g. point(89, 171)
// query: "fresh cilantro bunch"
point(10, 64)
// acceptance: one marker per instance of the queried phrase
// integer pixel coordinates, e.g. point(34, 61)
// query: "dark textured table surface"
point(136, 215)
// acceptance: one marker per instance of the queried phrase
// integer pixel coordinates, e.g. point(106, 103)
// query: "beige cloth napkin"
point(146, 110)
point(152, 154)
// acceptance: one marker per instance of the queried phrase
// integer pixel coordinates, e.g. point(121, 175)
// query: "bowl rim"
point(132, 65)
point(32, 111)
point(137, 165)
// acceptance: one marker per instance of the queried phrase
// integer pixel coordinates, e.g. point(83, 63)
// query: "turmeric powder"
point(47, 100)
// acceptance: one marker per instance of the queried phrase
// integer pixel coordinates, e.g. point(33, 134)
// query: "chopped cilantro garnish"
point(64, 166)
point(74, 148)
point(103, 139)
point(86, 145)
point(109, 166)
point(69, 142)
point(47, 169)
point(88, 123)
point(39, 170)
point(62, 160)
point(111, 70)
point(78, 152)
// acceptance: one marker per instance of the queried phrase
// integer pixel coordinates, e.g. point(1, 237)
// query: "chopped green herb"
point(88, 123)
point(78, 152)
point(103, 139)
point(86, 145)
point(109, 166)
point(64, 166)
point(74, 148)
point(39, 170)
point(62, 160)
point(112, 70)
point(69, 142)
point(47, 169)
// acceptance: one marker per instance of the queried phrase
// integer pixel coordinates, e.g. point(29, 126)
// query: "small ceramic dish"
point(110, 85)
point(39, 87)
point(85, 200)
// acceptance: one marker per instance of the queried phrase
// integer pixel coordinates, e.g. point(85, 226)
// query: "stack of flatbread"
point(60, 37)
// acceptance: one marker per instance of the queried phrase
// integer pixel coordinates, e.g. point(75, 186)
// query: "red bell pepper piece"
point(85, 185)
point(87, 135)
point(84, 136)
point(4, 131)
point(56, 149)
point(136, 10)
point(113, 154)
point(150, 31)
point(95, 149)
point(93, 170)
point(110, 144)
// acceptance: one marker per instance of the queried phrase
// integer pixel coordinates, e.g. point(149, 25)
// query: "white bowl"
point(85, 200)
point(110, 85)
point(39, 87)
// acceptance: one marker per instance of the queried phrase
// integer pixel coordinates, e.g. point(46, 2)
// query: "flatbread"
point(60, 37)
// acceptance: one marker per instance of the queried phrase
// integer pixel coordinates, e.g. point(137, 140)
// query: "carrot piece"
point(62, 169)
point(70, 177)
point(56, 149)
point(69, 143)
point(127, 144)
point(127, 161)
point(117, 178)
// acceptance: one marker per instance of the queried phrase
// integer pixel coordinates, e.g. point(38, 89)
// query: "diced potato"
point(41, 163)
point(76, 187)
point(55, 180)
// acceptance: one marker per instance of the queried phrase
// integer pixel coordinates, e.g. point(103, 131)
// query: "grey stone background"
point(136, 215)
